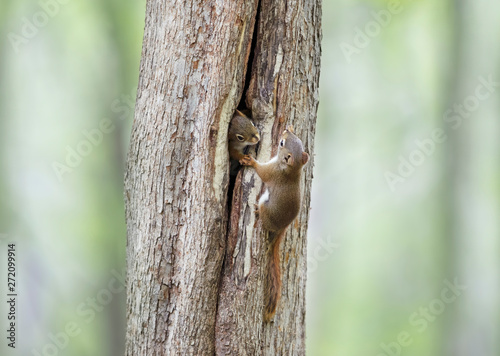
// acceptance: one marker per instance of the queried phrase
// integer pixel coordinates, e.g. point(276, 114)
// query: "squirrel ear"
point(305, 157)
point(290, 128)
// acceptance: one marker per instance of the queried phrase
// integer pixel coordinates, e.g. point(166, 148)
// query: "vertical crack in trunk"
point(198, 61)
point(242, 106)
point(280, 87)
point(235, 181)
point(248, 75)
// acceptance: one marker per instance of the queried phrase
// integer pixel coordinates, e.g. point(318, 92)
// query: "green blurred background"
point(406, 192)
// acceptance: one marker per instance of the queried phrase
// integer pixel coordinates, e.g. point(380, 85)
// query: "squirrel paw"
point(247, 160)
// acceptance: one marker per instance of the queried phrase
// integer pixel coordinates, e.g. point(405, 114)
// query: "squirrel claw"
point(246, 160)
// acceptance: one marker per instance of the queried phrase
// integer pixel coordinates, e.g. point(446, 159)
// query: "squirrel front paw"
point(247, 160)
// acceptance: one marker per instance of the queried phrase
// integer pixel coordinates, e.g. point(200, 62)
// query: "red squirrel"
point(279, 205)
point(242, 133)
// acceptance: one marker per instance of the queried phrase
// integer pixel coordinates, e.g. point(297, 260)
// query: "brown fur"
point(272, 291)
point(281, 176)
point(241, 126)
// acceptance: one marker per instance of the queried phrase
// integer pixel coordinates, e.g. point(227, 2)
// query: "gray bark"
point(180, 298)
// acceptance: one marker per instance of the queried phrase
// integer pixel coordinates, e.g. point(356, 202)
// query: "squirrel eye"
point(240, 137)
point(282, 143)
point(252, 123)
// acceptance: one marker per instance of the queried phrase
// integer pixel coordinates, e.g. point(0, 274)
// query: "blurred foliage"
point(72, 67)
point(397, 241)
point(382, 250)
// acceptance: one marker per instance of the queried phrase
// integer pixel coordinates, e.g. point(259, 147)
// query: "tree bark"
point(283, 90)
point(181, 297)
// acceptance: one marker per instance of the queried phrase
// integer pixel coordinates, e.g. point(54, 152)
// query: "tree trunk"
point(182, 297)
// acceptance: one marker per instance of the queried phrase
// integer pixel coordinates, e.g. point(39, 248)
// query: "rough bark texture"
point(180, 298)
point(283, 90)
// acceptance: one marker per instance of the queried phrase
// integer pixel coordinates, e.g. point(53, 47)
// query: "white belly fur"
point(264, 197)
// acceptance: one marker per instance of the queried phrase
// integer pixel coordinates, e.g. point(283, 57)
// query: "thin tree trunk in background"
point(473, 225)
point(450, 251)
point(192, 76)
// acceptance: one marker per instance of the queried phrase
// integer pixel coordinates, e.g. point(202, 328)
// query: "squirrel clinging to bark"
point(279, 205)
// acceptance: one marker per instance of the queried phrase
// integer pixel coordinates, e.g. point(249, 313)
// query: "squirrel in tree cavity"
point(242, 133)
point(279, 205)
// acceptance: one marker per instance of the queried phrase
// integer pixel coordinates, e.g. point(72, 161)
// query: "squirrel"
point(279, 205)
point(242, 133)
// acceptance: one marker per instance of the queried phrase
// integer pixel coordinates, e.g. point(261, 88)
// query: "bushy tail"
point(272, 290)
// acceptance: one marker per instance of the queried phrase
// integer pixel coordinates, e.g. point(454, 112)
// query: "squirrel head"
point(291, 153)
point(242, 130)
